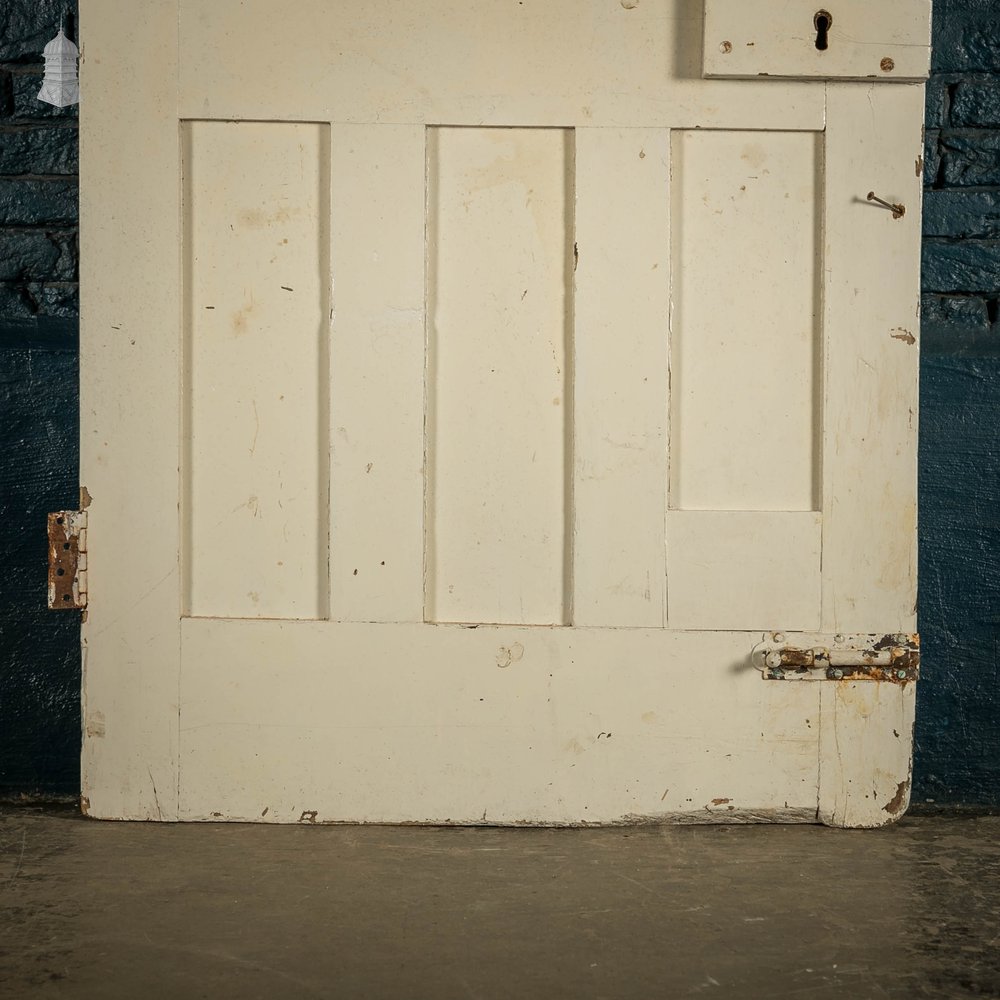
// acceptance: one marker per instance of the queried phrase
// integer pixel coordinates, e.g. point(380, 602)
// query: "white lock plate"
point(888, 40)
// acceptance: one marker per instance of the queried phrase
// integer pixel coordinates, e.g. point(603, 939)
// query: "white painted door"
point(472, 396)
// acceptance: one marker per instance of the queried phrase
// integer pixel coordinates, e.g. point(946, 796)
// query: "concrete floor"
point(90, 909)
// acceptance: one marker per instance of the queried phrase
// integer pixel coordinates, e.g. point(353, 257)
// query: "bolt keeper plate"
point(892, 657)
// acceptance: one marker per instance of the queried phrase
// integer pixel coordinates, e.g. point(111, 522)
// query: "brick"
point(38, 203)
point(36, 255)
point(21, 301)
point(6, 95)
point(976, 103)
point(43, 149)
point(932, 156)
point(965, 266)
point(25, 102)
point(26, 26)
point(61, 299)
point(936, 99)
point(966, 37)
point(971, 159)
point(957, 325)
point(970, 214)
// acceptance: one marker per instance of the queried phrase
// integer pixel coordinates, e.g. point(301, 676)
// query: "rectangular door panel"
point(747, 568)
point(500, 265)
point(257, 274)
point(744, 352)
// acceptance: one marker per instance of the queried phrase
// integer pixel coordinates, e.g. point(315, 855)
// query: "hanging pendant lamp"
point(60, 85)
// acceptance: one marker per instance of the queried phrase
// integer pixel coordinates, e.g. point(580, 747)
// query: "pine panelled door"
point(501, 412)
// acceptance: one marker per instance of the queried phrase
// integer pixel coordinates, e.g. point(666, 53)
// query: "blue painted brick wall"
point(39, 402)
point(957, 758)
point(958, 726)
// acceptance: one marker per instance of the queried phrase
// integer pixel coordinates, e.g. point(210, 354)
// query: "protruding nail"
point(898, 211)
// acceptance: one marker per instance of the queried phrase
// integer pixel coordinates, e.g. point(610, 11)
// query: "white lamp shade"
point(60, 86)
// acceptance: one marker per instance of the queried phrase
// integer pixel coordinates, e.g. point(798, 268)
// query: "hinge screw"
point(901, 674)
point(778, 636)
point(838, 638)
point(834, 673)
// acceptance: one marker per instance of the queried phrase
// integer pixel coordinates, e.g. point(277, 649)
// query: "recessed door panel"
point(745, 343)
point(499, 280)
point(256, 388)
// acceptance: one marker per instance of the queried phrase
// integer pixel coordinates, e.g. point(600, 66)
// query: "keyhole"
point(823, 21)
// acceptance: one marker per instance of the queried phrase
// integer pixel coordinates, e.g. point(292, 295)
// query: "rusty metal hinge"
point(68, 559)
point(891, 657)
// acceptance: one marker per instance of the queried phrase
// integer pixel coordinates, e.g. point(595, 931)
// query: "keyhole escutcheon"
point(823, 21)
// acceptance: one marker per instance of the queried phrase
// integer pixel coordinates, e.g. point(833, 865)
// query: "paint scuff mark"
point(308, 815)
point(506, 655)
point(904, 335)
point(895, 805)
point(256, 429)
point(156, 797)
point(721, 802)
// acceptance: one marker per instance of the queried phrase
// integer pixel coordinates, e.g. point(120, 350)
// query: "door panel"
point(587, 372)
point(744, 567)
point(745, 330)
point(257, 265)
point(499, 316)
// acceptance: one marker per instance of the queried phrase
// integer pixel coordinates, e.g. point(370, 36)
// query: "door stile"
point(130, 368)
point(377, 238)
point(871, 317)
